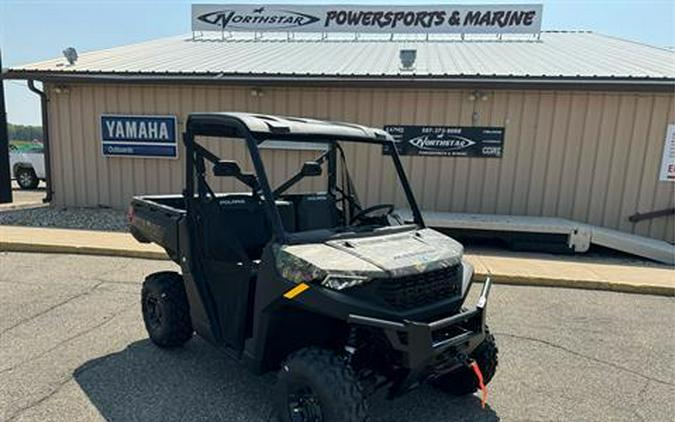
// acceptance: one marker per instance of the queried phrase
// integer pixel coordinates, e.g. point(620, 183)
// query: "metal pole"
point(5, 174)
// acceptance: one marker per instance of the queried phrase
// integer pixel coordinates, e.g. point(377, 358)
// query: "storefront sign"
point(139, 136)
point(448, 141)
point(464, 19)
point(668, 160)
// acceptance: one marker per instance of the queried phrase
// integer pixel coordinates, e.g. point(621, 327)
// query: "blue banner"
point(139, 136)
point(112, 149)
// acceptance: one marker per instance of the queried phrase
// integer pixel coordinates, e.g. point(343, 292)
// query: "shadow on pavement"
point(199, 383)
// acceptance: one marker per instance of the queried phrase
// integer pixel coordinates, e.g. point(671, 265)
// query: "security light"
point(70, 54)
point(478, 95)
point(408, 59)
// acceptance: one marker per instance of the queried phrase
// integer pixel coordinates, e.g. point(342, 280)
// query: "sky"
point(37, 30)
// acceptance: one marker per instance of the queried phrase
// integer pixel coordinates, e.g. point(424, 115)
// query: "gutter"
point(402, 81)
point(44, 105)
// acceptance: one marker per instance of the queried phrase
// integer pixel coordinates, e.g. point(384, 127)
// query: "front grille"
point(403, 293)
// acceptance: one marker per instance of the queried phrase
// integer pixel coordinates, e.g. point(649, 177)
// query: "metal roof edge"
point(539, 82)
point(640, 43)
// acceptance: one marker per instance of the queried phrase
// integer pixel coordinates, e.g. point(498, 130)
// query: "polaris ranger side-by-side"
point(340, 299)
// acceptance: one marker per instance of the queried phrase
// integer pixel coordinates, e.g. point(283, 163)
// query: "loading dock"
point(546, 234)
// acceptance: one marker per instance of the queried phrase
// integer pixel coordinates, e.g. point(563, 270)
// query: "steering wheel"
point(389, 208)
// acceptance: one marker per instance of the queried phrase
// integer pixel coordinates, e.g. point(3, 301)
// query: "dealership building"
point(578, 120)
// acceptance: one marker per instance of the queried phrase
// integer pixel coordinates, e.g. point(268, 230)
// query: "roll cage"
point(257, 128)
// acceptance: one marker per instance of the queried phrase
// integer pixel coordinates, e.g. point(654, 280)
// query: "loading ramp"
point(547, 234)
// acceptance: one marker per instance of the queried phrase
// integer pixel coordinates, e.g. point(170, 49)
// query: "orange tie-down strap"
point(481, 383)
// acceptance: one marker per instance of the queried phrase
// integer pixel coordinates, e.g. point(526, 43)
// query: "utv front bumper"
point(430, 349)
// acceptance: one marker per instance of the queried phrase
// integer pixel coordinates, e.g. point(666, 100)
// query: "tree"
point(24, 132)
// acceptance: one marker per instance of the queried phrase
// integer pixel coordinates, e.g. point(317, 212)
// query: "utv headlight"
point(340, 282)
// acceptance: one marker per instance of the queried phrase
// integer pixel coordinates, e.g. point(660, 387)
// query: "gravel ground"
point(103, 219)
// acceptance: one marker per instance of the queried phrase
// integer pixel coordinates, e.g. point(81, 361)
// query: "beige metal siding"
point(589, 156)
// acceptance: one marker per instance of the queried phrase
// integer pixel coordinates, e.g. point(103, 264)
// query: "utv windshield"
point(339, 188)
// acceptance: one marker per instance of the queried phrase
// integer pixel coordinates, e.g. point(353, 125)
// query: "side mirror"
point(310, 168)
point(227, 168)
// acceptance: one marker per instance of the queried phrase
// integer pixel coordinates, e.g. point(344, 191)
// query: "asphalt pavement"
point(73, 348)
point(25, 198)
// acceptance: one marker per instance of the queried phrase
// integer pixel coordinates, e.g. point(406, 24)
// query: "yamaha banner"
point(448, 141)
point(139, 136)
point(461, 19)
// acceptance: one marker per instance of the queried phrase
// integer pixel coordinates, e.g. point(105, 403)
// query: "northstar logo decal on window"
point(257, 18)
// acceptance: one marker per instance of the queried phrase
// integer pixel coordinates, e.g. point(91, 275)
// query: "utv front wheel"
point(166, 312)
point(317, 385)
point(463, 381)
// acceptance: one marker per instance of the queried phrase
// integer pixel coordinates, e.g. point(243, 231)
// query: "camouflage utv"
point(339, 298)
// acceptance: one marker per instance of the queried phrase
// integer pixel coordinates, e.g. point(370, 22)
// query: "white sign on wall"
point(668, 160)
point(465, 19)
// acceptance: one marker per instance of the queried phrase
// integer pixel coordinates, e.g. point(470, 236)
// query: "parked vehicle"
point(340, 299)
point(28, 166)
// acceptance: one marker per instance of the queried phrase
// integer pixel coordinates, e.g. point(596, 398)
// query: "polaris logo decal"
point(453, 143)
point(259, 18)
point(447, 141)
point(232, 202)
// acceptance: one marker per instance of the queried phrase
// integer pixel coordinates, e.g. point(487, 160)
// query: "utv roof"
point(265, 126)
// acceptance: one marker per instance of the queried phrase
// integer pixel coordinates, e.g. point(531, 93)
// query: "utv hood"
point(388, 255)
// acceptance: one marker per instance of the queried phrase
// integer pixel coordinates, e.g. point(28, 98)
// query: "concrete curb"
point(515, 280)
point(8, 208)
point(613, 286)
point(81, 250)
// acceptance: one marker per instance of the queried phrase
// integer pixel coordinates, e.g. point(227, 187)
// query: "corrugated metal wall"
point(588, 156)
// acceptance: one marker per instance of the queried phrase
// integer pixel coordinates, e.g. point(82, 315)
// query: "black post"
point(417, 215)
point(332, 167)
point(5, 174)
point(271, 209)
point(44, 106)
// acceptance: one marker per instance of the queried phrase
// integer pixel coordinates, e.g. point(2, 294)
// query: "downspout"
point(44, 104)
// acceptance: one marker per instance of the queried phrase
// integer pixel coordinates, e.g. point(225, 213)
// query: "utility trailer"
point(339, 298)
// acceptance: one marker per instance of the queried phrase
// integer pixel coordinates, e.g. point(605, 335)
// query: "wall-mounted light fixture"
point(478, 95)
point(61, 89)
point(257, 92)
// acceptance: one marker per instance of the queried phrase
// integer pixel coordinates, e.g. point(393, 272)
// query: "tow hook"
point(481, 384)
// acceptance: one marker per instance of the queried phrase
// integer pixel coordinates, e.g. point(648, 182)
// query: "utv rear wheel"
point(166, 312)
point(317, 385)
point(463, 381)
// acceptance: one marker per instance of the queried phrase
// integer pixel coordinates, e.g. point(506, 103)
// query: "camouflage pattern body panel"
point(402, 254)
point(392, 255)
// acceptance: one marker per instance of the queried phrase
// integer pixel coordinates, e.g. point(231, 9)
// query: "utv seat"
point(236, 223)
point(313, 211)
